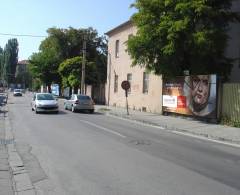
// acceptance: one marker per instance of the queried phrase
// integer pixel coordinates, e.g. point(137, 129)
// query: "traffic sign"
point(125, 85)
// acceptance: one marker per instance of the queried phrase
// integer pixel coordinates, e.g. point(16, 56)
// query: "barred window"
point(117, 49)
point(116, 84)
point(129, 79)
point(145, 82)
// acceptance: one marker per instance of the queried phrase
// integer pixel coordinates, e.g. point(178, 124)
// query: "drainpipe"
point(109, 76)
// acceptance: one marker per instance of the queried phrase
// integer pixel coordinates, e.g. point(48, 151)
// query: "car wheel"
point(36, 110)
point(73, 109)
point(91, 111)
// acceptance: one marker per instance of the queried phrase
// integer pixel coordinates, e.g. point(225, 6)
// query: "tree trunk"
point(49, 88)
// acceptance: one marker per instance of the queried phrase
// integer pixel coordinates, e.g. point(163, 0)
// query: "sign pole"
point(126, 86)
point(126, 94)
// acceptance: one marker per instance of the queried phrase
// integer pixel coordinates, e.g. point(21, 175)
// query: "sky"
point(34, 17)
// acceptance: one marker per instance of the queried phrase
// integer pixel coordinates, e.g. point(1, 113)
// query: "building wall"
point(121, 66)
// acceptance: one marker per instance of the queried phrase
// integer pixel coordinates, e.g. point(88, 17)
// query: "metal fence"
point(231, 101)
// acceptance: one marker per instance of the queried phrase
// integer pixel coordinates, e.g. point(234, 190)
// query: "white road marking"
point(206, 139)
point(104, 129)
point(179, 132)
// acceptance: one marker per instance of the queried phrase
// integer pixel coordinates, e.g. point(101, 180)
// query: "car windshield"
point(45, 97)
point(17, 90)
point(83, 97)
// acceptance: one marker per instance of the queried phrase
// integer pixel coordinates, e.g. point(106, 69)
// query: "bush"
point(230, 122)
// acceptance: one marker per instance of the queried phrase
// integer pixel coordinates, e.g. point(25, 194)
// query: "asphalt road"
point(80, 153)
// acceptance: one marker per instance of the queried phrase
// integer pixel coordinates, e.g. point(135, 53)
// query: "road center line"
point(104, 129)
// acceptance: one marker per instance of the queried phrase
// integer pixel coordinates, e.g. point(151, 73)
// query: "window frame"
point(130, 81)
point(117, 45)
point(115, 83)
point(145, 83)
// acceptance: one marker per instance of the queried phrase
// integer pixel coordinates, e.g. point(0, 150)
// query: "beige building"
point(146, 89)
point(145, 93)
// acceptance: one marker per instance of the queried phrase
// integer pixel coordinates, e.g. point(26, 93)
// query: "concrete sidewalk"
point(6, 184)
point(178, 123)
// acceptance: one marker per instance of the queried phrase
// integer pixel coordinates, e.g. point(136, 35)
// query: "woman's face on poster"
point(200, 89)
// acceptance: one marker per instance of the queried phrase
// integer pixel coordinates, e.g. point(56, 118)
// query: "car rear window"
point(83, 97)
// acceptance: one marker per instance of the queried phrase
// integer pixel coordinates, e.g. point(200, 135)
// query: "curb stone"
point(172, 128)
point(21, 181)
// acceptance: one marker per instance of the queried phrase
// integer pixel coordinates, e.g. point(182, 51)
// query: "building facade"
point(145, 93)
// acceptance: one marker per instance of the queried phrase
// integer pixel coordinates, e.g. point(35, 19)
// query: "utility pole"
point(83, 65)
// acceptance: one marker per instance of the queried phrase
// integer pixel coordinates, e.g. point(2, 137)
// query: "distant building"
point(21, 75)
point(145, 93)
point(21, 66)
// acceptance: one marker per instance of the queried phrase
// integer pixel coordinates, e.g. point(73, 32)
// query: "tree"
point(1, 65)
point(10, 58)
point(63, 44)
point(70, 70)
point(174, 36)
point(44, 65)
point(69, 44)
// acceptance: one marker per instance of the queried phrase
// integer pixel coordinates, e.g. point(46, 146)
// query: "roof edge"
point(129, 22)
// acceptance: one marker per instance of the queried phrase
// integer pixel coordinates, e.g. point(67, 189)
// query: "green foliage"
point(174, 36)
point(10, 60)
point(44, 65)
point(229, 122)
point(36, 84)
point(70, 70)
point(1, 65)
point(64, 44)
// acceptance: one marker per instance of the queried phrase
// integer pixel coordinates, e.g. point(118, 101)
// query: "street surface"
point(94, 154)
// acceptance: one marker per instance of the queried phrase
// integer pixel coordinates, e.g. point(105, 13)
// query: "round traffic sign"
point(125, 85)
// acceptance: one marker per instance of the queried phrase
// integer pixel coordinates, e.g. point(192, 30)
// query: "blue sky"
point(34, 17)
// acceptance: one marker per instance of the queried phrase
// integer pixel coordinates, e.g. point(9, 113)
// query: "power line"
point(21, 35)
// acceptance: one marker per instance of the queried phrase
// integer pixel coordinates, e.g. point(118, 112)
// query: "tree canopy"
point(43, 66)
point(174, 36)
point(61, 47)
point(1, 65)
point(9, 60)
point(70, 70)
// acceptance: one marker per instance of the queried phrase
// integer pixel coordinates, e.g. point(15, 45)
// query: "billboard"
point(55, 89)
point(191, 95)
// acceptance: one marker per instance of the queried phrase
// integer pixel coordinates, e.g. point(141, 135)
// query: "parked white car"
point(79, 103)
point(44, 102)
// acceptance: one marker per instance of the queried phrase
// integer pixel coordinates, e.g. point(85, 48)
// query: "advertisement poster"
point(55, 89)
point(191, 95)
